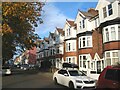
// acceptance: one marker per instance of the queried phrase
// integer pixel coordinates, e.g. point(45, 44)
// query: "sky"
point(55, 14)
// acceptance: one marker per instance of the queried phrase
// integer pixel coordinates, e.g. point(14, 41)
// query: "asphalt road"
point(29, 79)
point(33, 79)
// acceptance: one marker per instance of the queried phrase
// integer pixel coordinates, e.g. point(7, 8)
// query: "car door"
point(65, 78)
point(60, 76)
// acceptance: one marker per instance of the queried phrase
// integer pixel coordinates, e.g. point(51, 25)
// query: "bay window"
point(111, 33)
point(119, 32)
point(83, 60)
point(70, 60)
point(85, 41)
point(70, 46)
point(111, 57)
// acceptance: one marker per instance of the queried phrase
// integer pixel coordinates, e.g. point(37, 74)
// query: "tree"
point(18, 22)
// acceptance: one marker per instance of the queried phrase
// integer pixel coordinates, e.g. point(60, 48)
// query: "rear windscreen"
point(113, 74)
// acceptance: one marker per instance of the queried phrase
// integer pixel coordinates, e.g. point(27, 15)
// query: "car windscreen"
point(76, 73)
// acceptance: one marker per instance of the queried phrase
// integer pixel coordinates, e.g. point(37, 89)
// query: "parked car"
point(109, 78)
point(73, 78)
point(6, 70)
point(25, 67)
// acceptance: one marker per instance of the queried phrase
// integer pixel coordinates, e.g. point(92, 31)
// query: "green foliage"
point(18, 22)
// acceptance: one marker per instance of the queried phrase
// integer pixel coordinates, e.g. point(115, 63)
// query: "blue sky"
point(56, 13)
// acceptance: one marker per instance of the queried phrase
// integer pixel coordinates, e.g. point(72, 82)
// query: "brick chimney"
point(92, 11)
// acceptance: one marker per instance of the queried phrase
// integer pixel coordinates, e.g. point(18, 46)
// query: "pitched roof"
point(87, 14)
point(46, 39)
point(70, 22)
point(60, 30)
point(90, 13)
point(52, 35)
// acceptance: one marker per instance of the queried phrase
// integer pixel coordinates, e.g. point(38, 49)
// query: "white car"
point(6, 70)
point(73, 78)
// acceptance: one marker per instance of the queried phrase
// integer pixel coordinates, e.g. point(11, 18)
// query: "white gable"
point(89, 58)
point(102, 3)
point(56, 32)
point(96, 57)
point(78, 16)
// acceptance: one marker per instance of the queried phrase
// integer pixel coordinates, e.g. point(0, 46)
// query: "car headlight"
point(78, 81)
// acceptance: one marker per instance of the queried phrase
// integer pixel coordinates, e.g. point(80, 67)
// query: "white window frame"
point(70, 46)
point(111, 57)
point(107, 11)
point(86, 40)
point(118, 32)
point(81, 64)
point(69, 31)
point(110, 38)
point(82, 24)
point(71, 59)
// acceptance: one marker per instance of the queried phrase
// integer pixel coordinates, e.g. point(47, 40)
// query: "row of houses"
point(92, 40)
point(27, 57)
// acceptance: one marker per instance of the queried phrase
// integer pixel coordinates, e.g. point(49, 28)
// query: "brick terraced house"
point(92, 40)
point(70, 49)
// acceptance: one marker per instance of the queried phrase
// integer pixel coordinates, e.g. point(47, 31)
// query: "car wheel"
point(55, 81)
point(71, 85)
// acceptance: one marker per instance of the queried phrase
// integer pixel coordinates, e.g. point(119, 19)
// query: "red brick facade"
point(112, 46)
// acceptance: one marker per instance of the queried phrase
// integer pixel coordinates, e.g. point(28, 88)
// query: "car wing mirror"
point(66, 74)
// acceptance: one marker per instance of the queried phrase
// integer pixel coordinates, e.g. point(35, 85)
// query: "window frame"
point(83, 43)
point(81, 62)
point(109, 32)
point(107, 10)
point(111, 57)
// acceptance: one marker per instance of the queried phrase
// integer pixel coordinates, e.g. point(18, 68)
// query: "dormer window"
point(107, 11)
point(104, 12)
point(68, 32)
point(110, 9)
point(83, 21)
point(82, 24)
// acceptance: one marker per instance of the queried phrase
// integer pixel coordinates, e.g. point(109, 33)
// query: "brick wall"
point(112, 46)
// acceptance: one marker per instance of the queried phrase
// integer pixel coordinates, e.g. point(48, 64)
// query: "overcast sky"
point(56, 13)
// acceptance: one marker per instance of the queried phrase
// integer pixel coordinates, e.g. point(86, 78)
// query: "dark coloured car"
point(109, 78)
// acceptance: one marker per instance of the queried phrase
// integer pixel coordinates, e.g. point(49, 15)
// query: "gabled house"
point(70, 49)
point(59, 41)
point(109, 15)
point(84, 38)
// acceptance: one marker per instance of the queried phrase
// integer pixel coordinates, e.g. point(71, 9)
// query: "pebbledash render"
point(92, 40)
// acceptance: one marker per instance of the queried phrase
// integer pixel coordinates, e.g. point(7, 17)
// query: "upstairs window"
point(107, 34)
point(69, 46)
point(110, 9)
point(85, 41)
point(107, 11)
point(119, 32)
point(82, 24)
point(104, 12)
point(68, 32)
point(83, 21)
point(111, 33)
